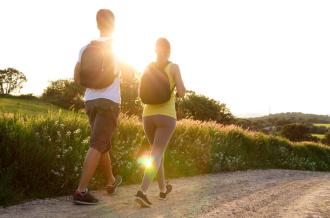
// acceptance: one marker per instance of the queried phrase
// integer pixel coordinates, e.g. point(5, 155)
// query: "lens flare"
point(146, 161)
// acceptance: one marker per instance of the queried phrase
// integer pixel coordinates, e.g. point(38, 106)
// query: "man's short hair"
point(105, 19)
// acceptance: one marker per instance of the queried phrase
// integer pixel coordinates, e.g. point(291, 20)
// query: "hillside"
point(28, 107)
point(293, 117)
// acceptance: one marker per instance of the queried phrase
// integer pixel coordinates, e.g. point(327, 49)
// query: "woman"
point(159, 123)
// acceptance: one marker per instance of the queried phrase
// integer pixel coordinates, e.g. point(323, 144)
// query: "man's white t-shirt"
point(112, 92)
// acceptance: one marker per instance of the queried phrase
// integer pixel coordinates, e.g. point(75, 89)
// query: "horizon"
point(256, 57)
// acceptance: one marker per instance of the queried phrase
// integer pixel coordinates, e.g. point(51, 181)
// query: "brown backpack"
point(98, 69)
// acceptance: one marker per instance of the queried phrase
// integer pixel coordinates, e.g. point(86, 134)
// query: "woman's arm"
point(180, 88)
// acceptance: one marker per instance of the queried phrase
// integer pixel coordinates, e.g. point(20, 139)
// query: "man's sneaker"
point(163, 195)
point(111, 189)
point(142, 199)
point(84, 198)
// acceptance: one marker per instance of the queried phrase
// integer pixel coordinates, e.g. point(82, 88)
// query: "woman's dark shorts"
point(103, 118)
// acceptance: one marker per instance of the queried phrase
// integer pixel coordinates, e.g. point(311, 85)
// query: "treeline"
point(293, 126)
point(69, 95)
point(282, 119)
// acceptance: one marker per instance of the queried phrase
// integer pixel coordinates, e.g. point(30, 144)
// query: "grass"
point(327, 125)
point(42, 153)
point(25, 107)
point(31, 108)
point(320, 136)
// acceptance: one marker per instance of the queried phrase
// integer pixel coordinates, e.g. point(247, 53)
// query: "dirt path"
point(258, 193)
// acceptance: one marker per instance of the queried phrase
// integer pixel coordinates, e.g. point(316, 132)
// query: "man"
point(102, 107)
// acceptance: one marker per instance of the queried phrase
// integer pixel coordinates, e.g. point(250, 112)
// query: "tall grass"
point(41, 156)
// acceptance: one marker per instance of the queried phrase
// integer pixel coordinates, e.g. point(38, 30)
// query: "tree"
point(296, 132)
point(64, 93)
point(11, 80)
point(200, 107)
point(130, 104)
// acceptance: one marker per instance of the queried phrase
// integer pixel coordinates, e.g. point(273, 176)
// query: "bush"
point(326, 139)
point(42, 156)
point(296, 132)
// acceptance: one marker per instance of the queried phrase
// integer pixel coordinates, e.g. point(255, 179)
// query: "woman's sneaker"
point(111, 189)
point(162, 195)
point(84, 198)
point(142, 199)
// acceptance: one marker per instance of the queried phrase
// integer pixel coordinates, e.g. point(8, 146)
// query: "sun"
point(135, 52)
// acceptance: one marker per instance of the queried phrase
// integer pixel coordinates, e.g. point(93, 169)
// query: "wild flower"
point(56, 173)
point(86, 141)
point(283, 150)
point(77, 131)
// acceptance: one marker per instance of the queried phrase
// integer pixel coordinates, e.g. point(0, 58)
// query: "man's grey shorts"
point(103, 118)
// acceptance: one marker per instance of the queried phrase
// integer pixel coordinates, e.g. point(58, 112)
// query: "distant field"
point(320, 136)
point(25, 107)
point(28, 107)
point(323, 124)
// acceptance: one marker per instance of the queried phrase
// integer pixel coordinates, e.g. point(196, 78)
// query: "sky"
point(256, 56)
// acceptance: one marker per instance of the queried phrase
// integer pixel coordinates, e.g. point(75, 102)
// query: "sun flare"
point(146, 161)
point(137, 53)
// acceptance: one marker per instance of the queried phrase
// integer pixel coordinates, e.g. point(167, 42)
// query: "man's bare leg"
point(105, 163)
point(91, 161)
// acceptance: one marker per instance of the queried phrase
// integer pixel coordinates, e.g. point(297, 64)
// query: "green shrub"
point(326, 139)
point(296, 132)
point(42, 156)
